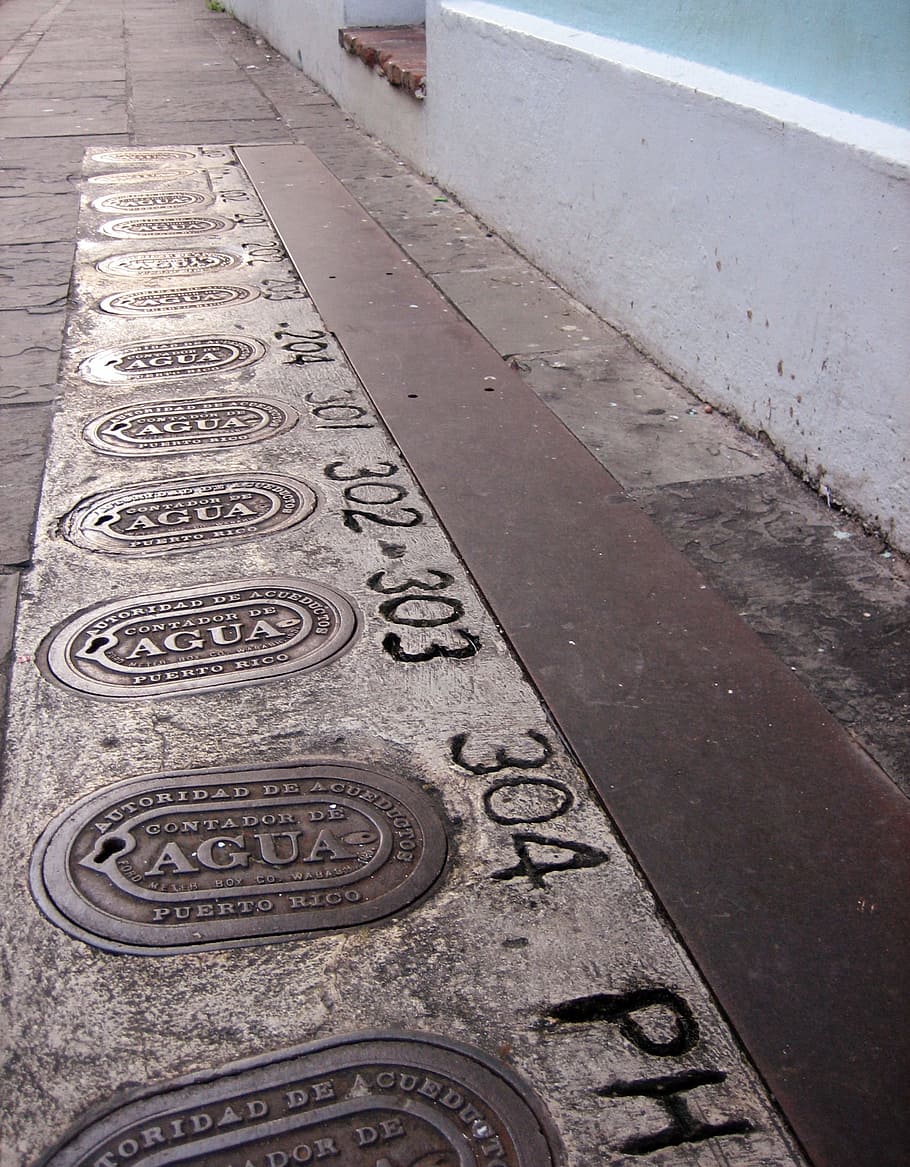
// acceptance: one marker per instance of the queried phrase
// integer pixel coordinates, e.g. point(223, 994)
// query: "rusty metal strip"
point(776, 845)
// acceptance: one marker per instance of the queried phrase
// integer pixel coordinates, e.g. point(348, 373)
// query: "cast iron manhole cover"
point(238, 632)
point(150, 518)
point(128, 177)
point(155, 428)
point(142, 157)
point(167, 301)
point(215, 859)
point(375, 1099)
point(168, 263)
point(153, 200)
point(185, 356)
point(165, 226)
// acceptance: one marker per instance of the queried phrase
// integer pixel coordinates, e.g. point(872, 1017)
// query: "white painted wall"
point(379, 12)
point(754, 242)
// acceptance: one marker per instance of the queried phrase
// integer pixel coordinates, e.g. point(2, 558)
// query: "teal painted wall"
point(852, 54)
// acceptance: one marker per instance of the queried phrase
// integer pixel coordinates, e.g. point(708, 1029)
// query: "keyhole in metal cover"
point(102, 519)
point(109, 847)
point(96, 645)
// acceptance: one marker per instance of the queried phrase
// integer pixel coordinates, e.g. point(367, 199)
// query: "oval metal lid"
point(188, 514)
point(180, 356)
point(132, 157)
point(212, 859)
point(171, 300)
point(396, 1096)
point(143, 201)
point(165, 226)
point(221, 634)
point(173, 173)
point(145, 264)
point(148, 429)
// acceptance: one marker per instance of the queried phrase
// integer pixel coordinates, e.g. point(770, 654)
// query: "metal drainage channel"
point(258, 699)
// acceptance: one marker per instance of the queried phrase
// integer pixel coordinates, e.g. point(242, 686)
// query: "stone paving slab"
point(311, 115)
point(49, 218)
point(31, 327)
point(350, 155)
point(215, 67)
point(29, 356)
point(28, 375)
point(200, 102)
point(260, 130)
point(402, 200)
point(35, 276)
point(290, 89)
point(440, 246)
point(24, 432)
point(90, 50)
point(79, 125)
point(76, 89)
point(605, 1024)
point(31, 166)
point(58, 108)
point(521, 311)
point(53, 72)
point(638, 421)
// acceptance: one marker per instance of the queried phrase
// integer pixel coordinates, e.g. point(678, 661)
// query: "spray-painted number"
point(417, 604)
point(377, 496)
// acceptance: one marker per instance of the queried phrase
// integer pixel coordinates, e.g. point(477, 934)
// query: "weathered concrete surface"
point(505, 954)
point(519, 310)
point(169, 40)
point(830, 600)
point(31, 117)
point(258, 130)
point(435, 233)
point(637, 420)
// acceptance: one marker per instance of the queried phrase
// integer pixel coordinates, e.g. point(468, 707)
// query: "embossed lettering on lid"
point(213, 859)
point(165, 226)
point(363, 1100)
point(186, 514)
point(142, 157)
point(153, 200)
point(169, 263)
point(168, 301)
point(152, 429)
point(163, 174)
point(184, 356)
point(237, 632)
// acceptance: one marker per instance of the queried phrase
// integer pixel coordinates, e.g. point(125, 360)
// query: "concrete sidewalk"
point(828, 599)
